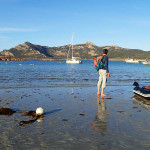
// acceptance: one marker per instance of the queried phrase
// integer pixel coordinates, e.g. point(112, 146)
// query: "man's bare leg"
point(98, 90)
point(102, 93)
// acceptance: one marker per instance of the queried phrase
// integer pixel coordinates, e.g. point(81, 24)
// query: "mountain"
point(86, 50)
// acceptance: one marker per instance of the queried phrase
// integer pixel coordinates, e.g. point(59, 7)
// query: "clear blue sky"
point(125, 23)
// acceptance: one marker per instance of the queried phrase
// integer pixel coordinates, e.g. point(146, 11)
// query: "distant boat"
point(146, 62)
point(72, 60)
point(131, 61)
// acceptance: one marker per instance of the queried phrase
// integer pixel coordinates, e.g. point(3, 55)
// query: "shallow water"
point(35, 74)
point(73, 119)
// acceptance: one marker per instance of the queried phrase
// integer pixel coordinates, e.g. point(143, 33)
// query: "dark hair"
point(105, 51)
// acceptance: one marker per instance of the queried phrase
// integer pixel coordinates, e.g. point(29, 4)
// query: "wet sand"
point(74, 120)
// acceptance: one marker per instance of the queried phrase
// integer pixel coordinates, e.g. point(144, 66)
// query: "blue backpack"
point(98, 62)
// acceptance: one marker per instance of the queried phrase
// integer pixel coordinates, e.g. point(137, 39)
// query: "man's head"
point(105, 51)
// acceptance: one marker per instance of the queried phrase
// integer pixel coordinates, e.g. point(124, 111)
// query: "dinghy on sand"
point(142, 91)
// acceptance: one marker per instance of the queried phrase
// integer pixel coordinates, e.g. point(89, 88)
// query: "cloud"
point(17, 30)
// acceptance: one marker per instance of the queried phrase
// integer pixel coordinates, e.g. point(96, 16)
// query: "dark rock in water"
point(108, 98)
point(86, 79)
point(82, 114)
point(6, 111)
point(64, 119)
point(42, 133)
point(121, 111)
point(134, 107)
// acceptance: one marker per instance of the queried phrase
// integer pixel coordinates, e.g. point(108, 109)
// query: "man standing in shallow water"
point(103, 74)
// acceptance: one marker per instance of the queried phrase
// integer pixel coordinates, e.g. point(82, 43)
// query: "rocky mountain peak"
point(27, 44)
point(113, 46)
point(116, 47)
point(89, 43)
point(23, 46)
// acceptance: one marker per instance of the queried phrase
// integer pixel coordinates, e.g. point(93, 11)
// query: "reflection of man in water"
point(100, 122)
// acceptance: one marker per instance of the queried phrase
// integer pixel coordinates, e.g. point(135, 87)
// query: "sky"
point(124, 23)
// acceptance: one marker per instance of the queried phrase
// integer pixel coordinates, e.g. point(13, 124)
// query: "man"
point(103, 74)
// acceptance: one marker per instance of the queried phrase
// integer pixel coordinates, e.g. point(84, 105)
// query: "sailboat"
point(131, 61)
point(146, 62)
point(73, 60)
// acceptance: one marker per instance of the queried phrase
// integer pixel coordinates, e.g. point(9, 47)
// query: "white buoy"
point(39, 111)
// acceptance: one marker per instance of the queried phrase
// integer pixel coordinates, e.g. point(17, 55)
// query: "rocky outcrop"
point(10, 59)
point(7, 53)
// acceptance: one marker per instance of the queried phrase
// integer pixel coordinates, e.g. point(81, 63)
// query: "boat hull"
point(146, 62)
point(73, 61)
point(142, 92)
point(131, 61)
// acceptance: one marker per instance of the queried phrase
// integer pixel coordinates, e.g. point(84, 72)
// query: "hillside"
point(86, 50)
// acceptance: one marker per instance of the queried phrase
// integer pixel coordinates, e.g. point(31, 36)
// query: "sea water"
point(32, 73)
point(68, 94)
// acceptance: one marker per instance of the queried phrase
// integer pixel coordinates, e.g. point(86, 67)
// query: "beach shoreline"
point(70, 119)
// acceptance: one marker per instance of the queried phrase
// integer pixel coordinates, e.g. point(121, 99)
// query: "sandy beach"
point(74, 120)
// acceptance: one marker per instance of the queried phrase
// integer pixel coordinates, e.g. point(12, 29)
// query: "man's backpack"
point(98, 62)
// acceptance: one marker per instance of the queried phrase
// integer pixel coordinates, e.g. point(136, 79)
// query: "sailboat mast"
point(72, 42)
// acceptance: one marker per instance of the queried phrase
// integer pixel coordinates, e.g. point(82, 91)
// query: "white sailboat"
point(146, 62)
point(131, 61)
point(73, 60)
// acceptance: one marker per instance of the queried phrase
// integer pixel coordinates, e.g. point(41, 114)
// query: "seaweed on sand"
point(22, 122)
point(32, 114)
point(6, 111)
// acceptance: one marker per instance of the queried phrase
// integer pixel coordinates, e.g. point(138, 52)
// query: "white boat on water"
point(72, 60)
point(131, 61)
point(146, 62)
